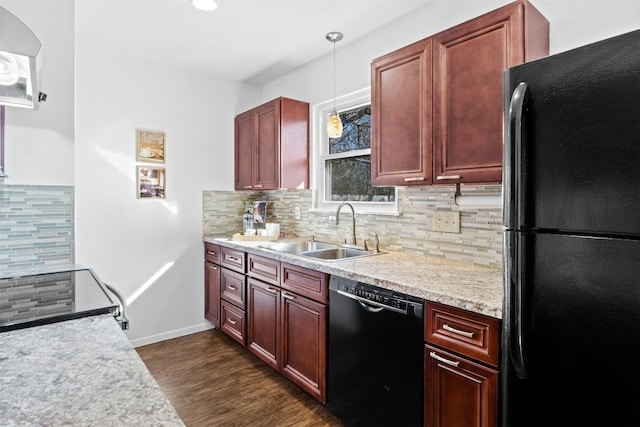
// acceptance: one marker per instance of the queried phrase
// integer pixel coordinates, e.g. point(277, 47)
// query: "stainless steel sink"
point(337, 253)
point(297, 248)
point(320, 250)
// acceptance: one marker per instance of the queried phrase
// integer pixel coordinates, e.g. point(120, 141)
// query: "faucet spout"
point(353, 220)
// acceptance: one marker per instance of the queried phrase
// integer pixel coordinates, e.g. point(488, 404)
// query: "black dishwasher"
point(375, 362)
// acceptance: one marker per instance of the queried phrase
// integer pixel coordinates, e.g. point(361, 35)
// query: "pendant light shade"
point(334, 124)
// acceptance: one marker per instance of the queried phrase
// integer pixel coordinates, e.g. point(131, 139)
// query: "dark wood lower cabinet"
point(304, 343)
point(458, 392)
point(212, 293)
point(289, 333)
point(263, 329)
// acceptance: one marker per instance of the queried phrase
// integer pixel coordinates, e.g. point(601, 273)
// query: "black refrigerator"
point(571, 314)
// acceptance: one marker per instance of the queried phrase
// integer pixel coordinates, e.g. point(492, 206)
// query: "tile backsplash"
point(36, 226)
point(479, 241)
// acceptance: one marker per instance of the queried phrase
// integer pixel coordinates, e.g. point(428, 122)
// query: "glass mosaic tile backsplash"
point(36, 226)
point(479, 241)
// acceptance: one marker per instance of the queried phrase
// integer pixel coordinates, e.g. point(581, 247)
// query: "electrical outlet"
point(296, 212)
point(446, 221)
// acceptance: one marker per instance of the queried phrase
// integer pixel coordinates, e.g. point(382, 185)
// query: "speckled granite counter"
point(457, 284)
point(80, 372)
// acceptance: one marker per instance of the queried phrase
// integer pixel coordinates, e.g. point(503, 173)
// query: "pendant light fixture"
point(334, 124)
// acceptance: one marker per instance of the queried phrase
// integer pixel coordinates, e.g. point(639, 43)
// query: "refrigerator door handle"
point(513, 186)
point(514, 277)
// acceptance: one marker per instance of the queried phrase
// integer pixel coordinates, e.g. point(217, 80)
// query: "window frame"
point(320, 150)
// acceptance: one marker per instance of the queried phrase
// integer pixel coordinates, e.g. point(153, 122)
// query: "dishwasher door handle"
point(370, 306)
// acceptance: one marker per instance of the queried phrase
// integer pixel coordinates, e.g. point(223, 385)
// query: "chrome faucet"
point(353, 224)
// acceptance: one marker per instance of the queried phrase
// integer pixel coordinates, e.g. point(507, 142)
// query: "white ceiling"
point(255, 41)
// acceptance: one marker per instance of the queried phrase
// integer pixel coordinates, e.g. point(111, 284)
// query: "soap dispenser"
point(247, 222)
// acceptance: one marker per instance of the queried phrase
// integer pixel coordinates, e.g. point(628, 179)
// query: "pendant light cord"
point(334, 76)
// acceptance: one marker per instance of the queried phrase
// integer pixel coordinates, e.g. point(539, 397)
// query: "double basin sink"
point(320, 250)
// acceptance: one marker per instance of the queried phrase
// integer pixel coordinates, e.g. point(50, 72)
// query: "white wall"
point(39, 143)
point(130, 241)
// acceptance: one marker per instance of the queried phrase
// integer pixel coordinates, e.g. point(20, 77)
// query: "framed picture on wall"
point(151, 182)
point(150, 146)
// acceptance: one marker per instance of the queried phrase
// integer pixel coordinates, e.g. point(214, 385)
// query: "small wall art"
point(150, 146)
point(151, 182)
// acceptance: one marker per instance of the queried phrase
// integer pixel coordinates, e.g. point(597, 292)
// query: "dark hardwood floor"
point(212, 381)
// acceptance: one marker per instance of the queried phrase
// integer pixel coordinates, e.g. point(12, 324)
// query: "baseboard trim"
point(171, 334)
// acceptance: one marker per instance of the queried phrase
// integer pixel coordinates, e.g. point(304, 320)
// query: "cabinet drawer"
point(232, 259)
point(303, 281)
point(265, 269)
point(233, 321)
point(469, 334)
point(232, 287)
point(212, 253)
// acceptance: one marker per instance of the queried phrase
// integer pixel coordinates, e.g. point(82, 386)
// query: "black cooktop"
point(38, 299)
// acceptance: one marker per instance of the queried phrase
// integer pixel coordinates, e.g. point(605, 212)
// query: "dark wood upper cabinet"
point(272, 146)
point(437, 104)
point(469, 62)
point(401, 106)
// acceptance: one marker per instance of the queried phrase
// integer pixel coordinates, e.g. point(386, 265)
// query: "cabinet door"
point(212, 293)
point(244, 155)
point(469, 62)
point(458, 392)
point(267, 150)
point(401, 108)
point(263, 321)
point(304, 343)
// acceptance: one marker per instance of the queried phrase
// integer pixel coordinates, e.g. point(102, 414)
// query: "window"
point(342, 166)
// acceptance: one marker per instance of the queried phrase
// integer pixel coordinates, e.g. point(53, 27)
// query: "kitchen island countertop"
point(454, 283)
point(81, 372)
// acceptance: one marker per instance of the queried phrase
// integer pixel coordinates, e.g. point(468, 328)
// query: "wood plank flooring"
point(212, 381)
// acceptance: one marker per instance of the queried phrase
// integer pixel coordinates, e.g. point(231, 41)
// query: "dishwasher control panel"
point(375, 295)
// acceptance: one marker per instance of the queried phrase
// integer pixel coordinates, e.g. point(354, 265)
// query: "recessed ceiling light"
point(207, 5)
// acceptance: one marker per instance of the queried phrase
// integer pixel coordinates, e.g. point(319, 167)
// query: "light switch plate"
point(446, 221)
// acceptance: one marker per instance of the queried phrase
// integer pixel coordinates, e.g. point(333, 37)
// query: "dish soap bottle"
point(247, 222)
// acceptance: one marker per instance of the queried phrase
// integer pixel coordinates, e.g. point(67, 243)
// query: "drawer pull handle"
point(248, 186)
point(443, 177)
point(212, 253)
point(272, 290)
point(258, 186)
point(419, 178)
point(232, 288)
point(457, 331)
point(288, 296)
point(443, 360)
point(234, 259)
point(233, 322)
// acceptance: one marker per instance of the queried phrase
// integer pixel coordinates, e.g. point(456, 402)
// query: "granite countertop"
point(81, 372)
point(454, 283)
